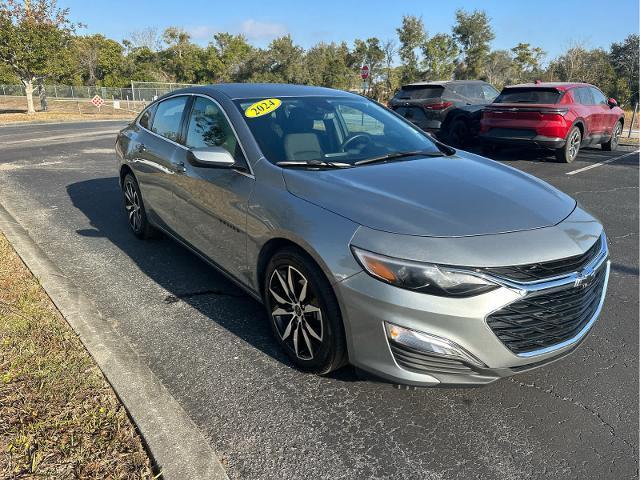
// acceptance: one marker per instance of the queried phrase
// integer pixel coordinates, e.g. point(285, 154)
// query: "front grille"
point(539, 271)
point(421, 362)
point(545, 320)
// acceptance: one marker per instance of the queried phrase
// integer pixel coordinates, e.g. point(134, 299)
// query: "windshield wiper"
point(397, 155)
point(313, 163)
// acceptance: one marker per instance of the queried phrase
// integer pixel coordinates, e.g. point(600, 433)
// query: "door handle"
point(178, 167)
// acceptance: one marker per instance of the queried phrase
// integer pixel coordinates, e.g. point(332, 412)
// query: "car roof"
point(561, 86)
point(441, 83)
point(264, 90)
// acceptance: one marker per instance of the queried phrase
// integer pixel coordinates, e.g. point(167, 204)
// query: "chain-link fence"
point(137, 92)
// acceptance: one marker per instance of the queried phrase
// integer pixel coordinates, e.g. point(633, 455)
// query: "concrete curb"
point(180, 450)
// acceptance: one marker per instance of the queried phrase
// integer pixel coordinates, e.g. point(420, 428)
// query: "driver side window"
point(357, 121)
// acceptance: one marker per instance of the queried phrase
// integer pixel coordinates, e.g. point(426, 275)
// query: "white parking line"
point(584, 169)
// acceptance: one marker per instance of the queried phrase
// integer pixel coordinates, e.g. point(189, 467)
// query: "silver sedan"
point(368, 241)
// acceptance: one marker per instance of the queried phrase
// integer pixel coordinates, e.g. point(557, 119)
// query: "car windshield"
point(330, 131)
point(528, 95)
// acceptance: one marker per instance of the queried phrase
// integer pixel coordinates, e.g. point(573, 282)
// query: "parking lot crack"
point(551, 392)
point(173, 298)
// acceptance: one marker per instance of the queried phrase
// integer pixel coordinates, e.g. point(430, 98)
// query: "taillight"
point(551, 117)
point(438, 106)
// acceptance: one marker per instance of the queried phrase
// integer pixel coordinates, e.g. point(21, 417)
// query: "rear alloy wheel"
point(612, 144)
point(136, 214)
point(569, 152)
point(304, 313)
point(459, 133)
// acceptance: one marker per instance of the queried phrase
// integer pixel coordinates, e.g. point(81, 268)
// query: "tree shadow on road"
point(185, 276)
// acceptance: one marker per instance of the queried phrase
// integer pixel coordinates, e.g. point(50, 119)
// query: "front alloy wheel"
point(612, 144)
point(304, 313)
point(296, 316)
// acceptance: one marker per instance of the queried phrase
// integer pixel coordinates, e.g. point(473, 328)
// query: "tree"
point(389, 48)
point(329, 65)
point(526, 61)
point(624, 60)
point(226, 56)
point(499, 68)
point(371, 53)
point(100, 60)
point(147, 37)
point(181, 60)
point(474, 34)
point(31, 35)
point(440, 55)
point(282, 62)
point(411, 35)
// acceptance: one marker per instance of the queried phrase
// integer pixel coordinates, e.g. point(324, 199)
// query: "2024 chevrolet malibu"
point(368, 242)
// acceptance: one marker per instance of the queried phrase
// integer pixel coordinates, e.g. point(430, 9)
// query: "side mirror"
point(210, 157)
point(612, 102)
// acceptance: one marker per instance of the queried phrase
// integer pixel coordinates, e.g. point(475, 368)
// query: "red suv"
point(560, 116)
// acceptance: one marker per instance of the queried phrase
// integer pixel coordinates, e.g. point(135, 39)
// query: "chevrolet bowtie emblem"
point(584, 279)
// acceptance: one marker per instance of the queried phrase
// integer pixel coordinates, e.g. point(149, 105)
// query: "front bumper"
point(368, 303)
point(505, 136)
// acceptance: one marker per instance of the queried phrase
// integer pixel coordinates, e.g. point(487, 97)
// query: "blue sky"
point(552, 25)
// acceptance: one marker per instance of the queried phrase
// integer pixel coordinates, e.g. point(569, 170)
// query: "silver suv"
point(367, 241)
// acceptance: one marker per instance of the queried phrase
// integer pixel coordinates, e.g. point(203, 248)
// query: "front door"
point(211, 203)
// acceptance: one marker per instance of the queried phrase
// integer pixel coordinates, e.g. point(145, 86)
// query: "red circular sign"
point(364, 72)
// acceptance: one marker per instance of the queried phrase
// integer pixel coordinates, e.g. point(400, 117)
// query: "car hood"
point(459, 195)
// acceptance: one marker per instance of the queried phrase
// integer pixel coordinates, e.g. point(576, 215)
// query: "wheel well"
point(581, 128)
point(269, 249)
point(123, 171)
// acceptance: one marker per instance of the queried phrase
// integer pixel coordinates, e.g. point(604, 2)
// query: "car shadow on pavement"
point(185, 276)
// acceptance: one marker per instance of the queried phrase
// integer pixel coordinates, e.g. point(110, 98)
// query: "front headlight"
point(422, 277)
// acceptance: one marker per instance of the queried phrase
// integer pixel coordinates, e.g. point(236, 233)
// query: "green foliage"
point(411, 35)
point(624, 61)
point(32, 36)
point(440, 57)
point(526, 61)
point(474, 34)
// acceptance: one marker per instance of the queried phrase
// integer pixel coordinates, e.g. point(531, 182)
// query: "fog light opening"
point(429, 344)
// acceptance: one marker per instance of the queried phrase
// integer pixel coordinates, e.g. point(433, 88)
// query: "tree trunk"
point(28, 90)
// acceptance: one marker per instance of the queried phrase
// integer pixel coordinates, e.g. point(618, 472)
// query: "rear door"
point(583, 104)
point(211, 203)
point(155, 157)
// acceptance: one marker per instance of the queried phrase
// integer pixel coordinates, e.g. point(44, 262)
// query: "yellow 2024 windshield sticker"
point(262, 107)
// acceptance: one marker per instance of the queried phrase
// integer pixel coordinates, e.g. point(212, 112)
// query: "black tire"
point(569, 152)
point(134, 207)
point(612, 144)
point(312, 335)
point(459, 133)
point(489, 149)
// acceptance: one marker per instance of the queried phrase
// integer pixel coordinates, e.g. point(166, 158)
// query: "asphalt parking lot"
point(212, 347)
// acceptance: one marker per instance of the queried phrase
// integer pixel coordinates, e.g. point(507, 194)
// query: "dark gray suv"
point(449, 109)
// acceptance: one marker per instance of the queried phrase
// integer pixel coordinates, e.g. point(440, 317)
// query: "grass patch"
point(59, 418)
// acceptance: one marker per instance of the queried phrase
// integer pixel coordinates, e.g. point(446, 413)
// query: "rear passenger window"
point(146, 116)
point(166, 121)
point(582, 95)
